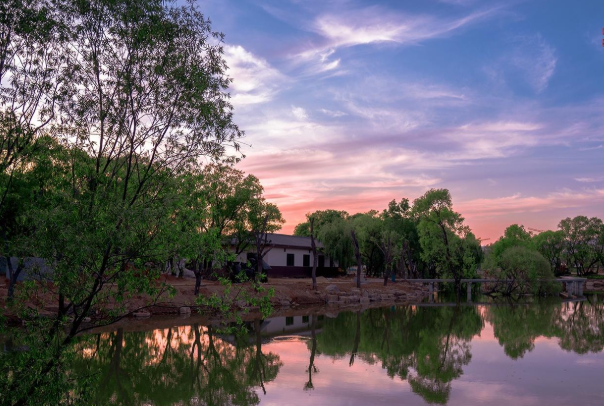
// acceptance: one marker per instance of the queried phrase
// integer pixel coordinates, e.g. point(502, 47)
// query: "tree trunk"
point(386, 275)
point(357, 254)
point(13, 276)
point(198, 278)
point(315, 259)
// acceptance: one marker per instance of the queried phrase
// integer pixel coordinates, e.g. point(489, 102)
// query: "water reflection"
point(402, 351)
point(190, 364)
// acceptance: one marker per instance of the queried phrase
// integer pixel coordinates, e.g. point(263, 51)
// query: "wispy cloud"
point(299, 113)
point(518, 203)
point(254, 79)
point(590, 179)
point(374, 25)
point(333, 113)
point(532, 57)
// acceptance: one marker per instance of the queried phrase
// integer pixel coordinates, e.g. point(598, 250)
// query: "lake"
point(541, 353)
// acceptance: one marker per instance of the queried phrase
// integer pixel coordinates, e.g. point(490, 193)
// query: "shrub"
point(528, 271)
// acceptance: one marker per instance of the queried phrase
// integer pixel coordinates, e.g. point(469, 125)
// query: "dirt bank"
point(288, 294)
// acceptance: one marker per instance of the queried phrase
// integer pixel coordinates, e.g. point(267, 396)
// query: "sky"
point(350, 104)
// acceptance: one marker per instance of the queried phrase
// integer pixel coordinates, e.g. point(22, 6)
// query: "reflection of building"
point(298, 325)
point(291, 256)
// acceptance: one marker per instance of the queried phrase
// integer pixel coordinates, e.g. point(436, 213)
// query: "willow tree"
point(146, 98)
point(446, 242)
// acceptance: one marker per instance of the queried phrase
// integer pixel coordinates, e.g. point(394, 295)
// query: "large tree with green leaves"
point(550, 244)
point(584, 242)
point(448, 246)
point(144, 99)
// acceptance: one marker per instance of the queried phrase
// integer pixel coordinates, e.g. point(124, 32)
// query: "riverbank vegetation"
point(428, 239)
point(116, 145)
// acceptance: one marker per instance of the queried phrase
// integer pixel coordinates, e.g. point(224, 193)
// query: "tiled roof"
point(292, 241)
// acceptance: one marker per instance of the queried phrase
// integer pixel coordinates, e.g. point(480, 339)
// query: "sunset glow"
point(351, 104)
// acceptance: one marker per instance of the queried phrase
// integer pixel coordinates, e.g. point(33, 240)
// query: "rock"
point(284, 302)
point(141, 314)
point(332, 289)
point(365, 300)
point(385, 297)
point(184, 310)
point(87, 320)
point(332, 298)
point(331, 315)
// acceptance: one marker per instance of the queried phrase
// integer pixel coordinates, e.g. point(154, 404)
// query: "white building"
point(291, 256)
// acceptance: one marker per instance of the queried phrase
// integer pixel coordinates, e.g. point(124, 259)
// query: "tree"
point(399, 219)
point(322, 218)
point(446, 242)
point(584, 243)
point(550, 244)
point(513, 236)
point(264, 218)
point(357, 254)
point(524, 271)
point(32, 35)
point(336, 239)
point(368, 229)
point(315, 258)
point(147, 100)
point(219, 200)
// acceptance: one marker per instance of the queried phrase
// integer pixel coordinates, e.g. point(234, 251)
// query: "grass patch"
point(594, 276)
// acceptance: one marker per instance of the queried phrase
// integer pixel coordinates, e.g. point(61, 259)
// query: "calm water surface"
point(545, 353)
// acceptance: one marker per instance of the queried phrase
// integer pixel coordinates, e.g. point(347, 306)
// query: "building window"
point(306, 260)
point(290, 259)
point(289, 321)
point(321, 261)
point(304, 319)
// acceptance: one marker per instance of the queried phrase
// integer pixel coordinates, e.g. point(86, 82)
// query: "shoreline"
point(289, 295)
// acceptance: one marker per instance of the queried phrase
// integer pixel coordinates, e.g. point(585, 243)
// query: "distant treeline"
point(428, 239)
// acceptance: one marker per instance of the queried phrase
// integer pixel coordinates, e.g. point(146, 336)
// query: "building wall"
point(278, 256)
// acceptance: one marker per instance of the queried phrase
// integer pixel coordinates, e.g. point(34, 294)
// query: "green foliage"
point(584, 243)
point(337, 243)
point(322, 218)
point(528, 271)
point(107, 109)
point(513, 236)
point(448, 246)
point(550, 244)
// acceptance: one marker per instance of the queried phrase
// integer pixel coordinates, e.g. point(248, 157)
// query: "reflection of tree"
point(517, 326)
point(578, 325)
point(426, 346)
point(312, 369)
point(190, 364)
